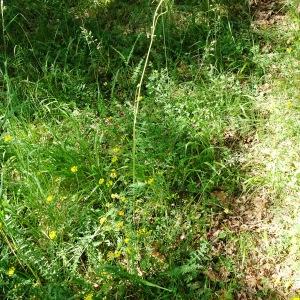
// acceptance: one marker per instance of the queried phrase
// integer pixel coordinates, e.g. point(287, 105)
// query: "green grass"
point(73, 222)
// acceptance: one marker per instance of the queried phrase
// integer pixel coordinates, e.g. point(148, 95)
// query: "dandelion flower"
point(7, 138)
point(114, 159)
point(11, 271)
point(101, 181)
point(52, 235)
point(121, 213)
point(74, 169)
point(49, 199)
point(113, 173)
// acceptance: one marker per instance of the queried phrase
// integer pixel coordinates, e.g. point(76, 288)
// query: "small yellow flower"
point(52, 235)
point(289, 50)
point(108, 120)
point(110, 255)
point(289, 104)
point(115, 196)
point(88, 296)
point(126, 240)
point(49, 199)
point(114, 159)
point(119, 225)
point(123, 199)
point(102, 220)
point(109, 183)
point(74, 169)
point(11, 271)
point(116, 150)
point(113, 173)
point(121, 213)
point(57, 179)
point(117, 254)
point(101, 181)
point(142, 231)
point(7, 138)
point(150, 181)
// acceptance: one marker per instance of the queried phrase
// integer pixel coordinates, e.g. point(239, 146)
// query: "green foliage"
point(73, 224)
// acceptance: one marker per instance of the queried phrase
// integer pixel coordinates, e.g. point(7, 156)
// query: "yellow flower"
point(11, 271)
point(142, 231)
point(88, 296)
point(109, 183)
point(7, 138)
point(49, 199)
point(52, 235)
point(126, 240)
point(289, 104)
point(121, 213)
point(123, 199)
point(150, 181)
point(57, 179)
point(74, 169)
point(113, 173)
point(117, 254)
point(289, 50)
point(110, 255)
point(102, 220)
point(101, 181)
point(119, 225)
point(114, 159)
point(115, 196)
point(108, 120)
point(116, 150)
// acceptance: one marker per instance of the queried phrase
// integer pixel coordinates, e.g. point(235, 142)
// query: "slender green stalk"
point(138, 96)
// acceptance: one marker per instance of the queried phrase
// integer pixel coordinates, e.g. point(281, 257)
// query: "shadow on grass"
point(64, 46)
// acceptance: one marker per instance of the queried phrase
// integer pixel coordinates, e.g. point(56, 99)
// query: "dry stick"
point(139, 87)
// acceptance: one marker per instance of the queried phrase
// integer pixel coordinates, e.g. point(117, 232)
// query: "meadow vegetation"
point(79, 219)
